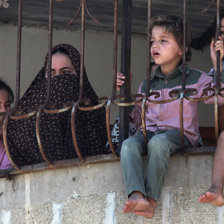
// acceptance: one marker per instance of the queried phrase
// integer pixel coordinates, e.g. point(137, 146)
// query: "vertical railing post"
point(125, 67)
point(49, 65)
point(148, 69)
point(181, 107)
point(149, 47)
point(184, 45)
point(50, 37)
point(216, 111)
point(115, 48)
point(217, 35)
point(19, 42)
point(82, 50)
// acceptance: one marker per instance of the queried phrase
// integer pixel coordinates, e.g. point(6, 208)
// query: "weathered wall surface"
point(95, 194)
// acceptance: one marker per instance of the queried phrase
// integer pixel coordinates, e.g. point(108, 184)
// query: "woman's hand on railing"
point(214, 47)
point(121, 79)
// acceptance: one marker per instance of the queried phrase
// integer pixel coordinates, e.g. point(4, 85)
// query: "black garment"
point(55, 129)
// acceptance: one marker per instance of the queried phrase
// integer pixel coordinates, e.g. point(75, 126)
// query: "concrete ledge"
point(95, 194)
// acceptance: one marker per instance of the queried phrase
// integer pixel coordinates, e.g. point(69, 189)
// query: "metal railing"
point(123, 101)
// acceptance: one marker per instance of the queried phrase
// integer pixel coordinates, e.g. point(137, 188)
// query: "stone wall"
point(95, 194)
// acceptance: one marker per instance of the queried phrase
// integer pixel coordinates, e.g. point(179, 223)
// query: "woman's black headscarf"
point(55, 129)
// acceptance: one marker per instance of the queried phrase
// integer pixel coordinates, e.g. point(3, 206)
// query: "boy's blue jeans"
point(161, 145)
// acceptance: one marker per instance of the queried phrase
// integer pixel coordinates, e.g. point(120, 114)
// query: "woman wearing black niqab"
point(55, 129)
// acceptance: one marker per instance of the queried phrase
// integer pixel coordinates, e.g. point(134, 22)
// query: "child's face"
point(164, 49)
point(5, 105)
point(61, 64)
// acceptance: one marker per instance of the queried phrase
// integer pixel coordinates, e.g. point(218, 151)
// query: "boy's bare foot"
point(150, 212)
point(212, 198)
point(136, 202)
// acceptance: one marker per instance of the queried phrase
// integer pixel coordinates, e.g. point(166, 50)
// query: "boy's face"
point(165, 50)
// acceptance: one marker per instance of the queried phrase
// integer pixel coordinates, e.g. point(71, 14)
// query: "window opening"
point(126, 99)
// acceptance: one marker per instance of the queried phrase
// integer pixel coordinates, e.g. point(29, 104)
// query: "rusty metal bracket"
point(41, 148)
point(108, 129)
point(82, 6)
point(209, 6)
point(5, 124)
point(75, 142)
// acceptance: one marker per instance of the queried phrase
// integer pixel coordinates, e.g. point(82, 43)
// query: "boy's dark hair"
point(4, 86)
point(174, 25)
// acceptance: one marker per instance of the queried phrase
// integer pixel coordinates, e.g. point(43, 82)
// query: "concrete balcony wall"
point(95, 194)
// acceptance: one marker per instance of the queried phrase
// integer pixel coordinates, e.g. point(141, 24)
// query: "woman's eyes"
point(62, 72)
point(66, 72)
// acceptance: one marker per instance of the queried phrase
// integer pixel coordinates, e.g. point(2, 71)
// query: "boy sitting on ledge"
point(162, 120)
